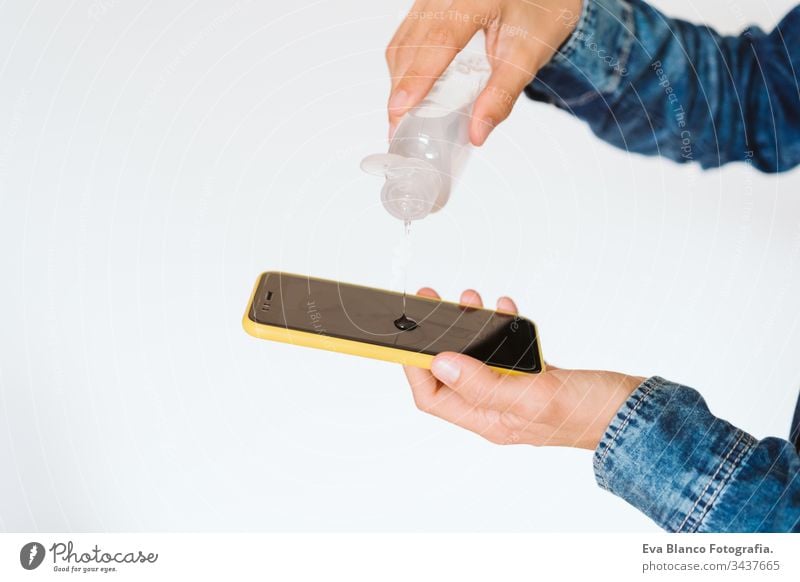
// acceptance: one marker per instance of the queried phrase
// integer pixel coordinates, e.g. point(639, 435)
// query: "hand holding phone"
point(558, 407)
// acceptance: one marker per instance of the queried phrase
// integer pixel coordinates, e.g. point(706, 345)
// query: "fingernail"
point(446, 370)
point(399, 100)
point(485, 127)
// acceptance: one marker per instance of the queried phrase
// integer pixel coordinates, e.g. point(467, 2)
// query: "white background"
point(156, 156)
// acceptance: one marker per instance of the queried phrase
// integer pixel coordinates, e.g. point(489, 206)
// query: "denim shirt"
point(659, 86)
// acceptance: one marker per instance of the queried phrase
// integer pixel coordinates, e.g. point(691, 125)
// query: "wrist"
point(593, 60)
point(622, 386)
point(573, 19)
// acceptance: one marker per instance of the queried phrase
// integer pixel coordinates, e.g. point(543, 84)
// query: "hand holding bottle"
point(521, 36)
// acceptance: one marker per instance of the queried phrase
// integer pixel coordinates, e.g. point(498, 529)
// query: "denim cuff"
point(593, 60)
point(668, 456)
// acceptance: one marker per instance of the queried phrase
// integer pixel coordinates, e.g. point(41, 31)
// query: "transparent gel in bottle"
point(431, 143)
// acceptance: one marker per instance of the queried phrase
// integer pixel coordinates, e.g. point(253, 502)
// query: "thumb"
point(495, 102)
point(475, 381)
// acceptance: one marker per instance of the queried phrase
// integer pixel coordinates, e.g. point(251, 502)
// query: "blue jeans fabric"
point(689, 471)
point(659, 86)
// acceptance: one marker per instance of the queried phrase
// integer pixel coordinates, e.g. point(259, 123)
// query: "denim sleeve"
point(654, 85)
point(668, 456)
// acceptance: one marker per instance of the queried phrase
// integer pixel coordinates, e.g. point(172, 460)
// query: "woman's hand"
point(521, 36)
point(569, 408)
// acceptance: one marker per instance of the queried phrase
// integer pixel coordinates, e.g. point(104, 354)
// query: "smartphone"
point(359, 320)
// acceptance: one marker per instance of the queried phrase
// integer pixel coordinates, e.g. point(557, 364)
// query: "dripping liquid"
point(407, 232)
point(405, 323)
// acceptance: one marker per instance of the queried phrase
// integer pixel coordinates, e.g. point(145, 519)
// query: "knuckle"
point(413, 76)
point(426, 407)
point(494, 439)
point(502, 99)
point(494, 402)
point(439, 36)
point(509, 438)
point(513, 421)
point(483, 393)
point(422, 404)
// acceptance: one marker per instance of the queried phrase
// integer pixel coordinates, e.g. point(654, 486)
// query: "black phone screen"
point(368, 315)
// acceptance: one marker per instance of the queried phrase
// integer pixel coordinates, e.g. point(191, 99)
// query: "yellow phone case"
point(355, 348)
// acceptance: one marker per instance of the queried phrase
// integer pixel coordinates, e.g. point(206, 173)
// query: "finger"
point(440, 43)
point(423, 384)
point(471, 298)
point(494, 104)
point(398, 56)
point(402, 47)
point(433, 398)
point(507, 305)
point(477, 383)
point(428, 292)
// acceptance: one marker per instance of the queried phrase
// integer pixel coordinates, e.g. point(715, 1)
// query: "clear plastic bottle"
point(431, 143)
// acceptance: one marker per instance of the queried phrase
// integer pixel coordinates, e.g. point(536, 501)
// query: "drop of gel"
point(405, 323)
